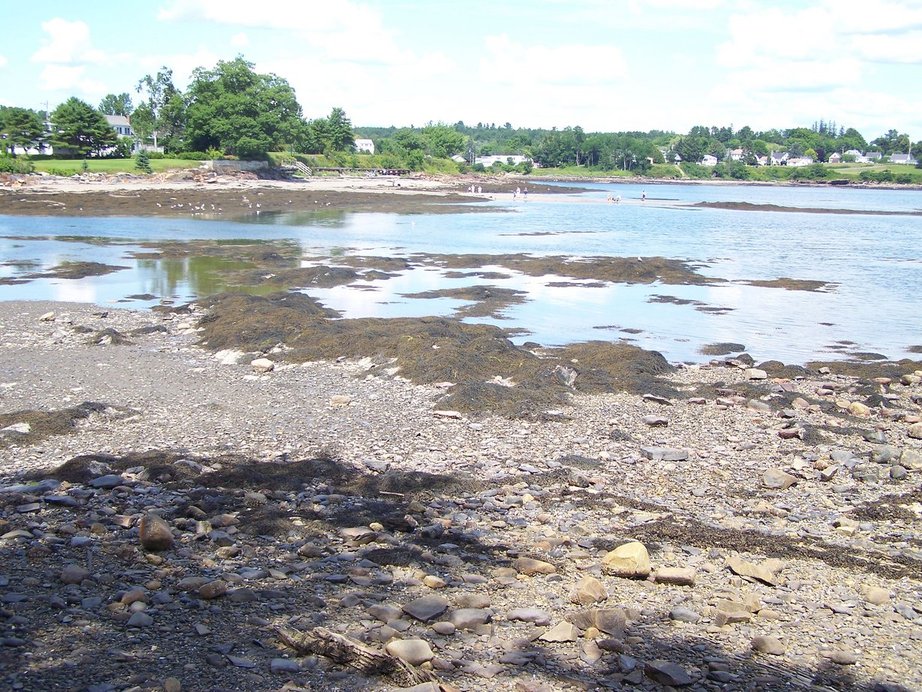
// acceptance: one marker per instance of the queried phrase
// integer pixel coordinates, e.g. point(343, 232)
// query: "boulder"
point(630, 560)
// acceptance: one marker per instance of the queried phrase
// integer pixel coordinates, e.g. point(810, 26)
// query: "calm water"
point(873, 262)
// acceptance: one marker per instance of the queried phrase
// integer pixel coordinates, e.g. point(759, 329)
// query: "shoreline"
point(777, 512)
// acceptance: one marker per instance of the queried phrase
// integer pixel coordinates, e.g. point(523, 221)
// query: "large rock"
point(629, 560)
point(587, 591)
point(413, 651)
point(611, 621)
point(915, 431)
point(154, 533)
point(776, 479)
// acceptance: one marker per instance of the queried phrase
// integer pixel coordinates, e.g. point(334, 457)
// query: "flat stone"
point(531, 567)
point(680, 576)
point(629, 560)
point(240, 661)
point(748, 569)
point(682, 614)
point(140, 619)
point(915, 431)
point(561, 632)
point(533, 615)
point(426, 608)
point(284, 665)
point(841, 657)
point(413, 651)
point(755, 374)
point(106, 482)
point(74, 574)
point(656, 421)
point(776, 479)
point(664, 453)
point(212, 589)
point(469, 618)
point(667, 673)
point(768, 645)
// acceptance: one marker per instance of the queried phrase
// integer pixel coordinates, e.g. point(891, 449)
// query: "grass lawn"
point(71, 166)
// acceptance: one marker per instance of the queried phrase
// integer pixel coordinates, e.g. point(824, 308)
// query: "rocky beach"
point(189, 503)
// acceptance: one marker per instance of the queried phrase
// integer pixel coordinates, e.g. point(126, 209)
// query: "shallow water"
point(872, 262)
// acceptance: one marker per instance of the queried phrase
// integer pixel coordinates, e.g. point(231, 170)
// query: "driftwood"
point(350, 652)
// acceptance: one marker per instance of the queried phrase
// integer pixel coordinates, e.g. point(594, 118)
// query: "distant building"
point(121, 124)
point(903, 159)
point(708, 160)
point(872, 156)
point(778, 158)
point(800, 161)
point(364, 146)
point(510, 159)
point(835, 157)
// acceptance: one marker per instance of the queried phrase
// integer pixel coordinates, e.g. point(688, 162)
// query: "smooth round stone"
point(413, 651)
point(768, 645)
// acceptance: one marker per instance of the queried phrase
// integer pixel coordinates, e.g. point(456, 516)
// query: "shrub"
point(10, 164)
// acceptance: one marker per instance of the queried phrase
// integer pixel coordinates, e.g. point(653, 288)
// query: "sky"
point(603, 65)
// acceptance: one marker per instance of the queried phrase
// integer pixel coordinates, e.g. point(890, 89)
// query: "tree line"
point(232, 111)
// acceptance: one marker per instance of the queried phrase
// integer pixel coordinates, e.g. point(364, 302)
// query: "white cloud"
point(507, 61)
point(312, 17)
point(240, 40)
point(182, 64)
point(68, 43)
point(3, 61)
point(904, 48)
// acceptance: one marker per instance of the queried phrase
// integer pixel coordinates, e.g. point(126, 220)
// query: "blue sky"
point(604, 65)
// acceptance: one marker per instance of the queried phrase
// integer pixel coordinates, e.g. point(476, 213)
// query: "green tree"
point(21, 127)
point(232, 108)
point(339, 131)
point(116, 104)
point(142, 161)
point(443, 141)
point(77, 126)
point(163, 110)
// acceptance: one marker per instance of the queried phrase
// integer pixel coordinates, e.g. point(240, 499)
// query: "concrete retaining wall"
point(232, 166)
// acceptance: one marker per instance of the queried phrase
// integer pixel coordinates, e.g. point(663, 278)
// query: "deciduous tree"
point(232, 108)
point(116, 104)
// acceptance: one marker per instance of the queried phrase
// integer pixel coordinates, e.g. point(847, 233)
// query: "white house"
point(903, 159)
point(736, 154)
point(778, 158)
point(800, 161)
point(364, 146)
point(859, 157)
point(511, 159)
point(121, 125)
point(708, 160)
point(835, 157)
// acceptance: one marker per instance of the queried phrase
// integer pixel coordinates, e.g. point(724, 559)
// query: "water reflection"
point(871, 260)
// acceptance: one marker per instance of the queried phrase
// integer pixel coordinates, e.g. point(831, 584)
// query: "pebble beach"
point(168, 513)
